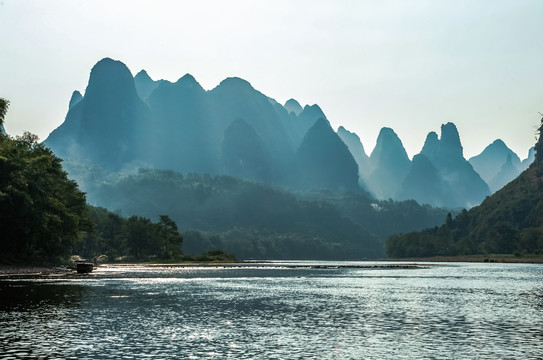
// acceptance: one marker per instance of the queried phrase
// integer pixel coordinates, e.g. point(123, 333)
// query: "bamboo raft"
point(84, 267)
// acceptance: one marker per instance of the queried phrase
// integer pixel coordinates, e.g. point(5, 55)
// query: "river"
point(278, 310)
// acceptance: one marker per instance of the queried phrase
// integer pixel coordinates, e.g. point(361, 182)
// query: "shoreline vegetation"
point(493, 258)
point(7, 271)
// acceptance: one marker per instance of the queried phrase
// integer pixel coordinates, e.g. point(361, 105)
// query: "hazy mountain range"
point(498, 165)
point(125, 122)
point(508, 222)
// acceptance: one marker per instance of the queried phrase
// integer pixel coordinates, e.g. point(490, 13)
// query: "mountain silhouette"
point(529, 160)
point(144, 84)
point(389, 165)
point(447, 151)
point(357, 150)
point(424, 183)
point(507, 173)
point(323, 161)
point(293, 106)
point(462, 185)
point(181, 133)
point(76, 97)
point(509, 221)
point(244, 154)
point(235, 98)
point(108, 123)
point(303, 122)
point(124, 122)
point(490, 162)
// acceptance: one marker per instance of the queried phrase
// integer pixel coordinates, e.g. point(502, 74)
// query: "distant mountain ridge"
point(323, 160)
point(108, 125)
point(510, 221)
point(357, 150)
point(181, 126)
point(388, 165)
point(498, 165)
point(124, 122)
point(454, 182)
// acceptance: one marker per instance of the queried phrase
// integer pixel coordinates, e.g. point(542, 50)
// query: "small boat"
point(84, 267)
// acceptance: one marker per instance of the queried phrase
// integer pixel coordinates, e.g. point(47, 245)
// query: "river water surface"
point(271, 311)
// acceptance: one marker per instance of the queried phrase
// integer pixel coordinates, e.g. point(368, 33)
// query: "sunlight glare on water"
point(439, 311)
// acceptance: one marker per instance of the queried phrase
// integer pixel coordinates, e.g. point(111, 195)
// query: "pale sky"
point(408, 65)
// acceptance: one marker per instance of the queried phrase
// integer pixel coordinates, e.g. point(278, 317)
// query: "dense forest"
point(248, 219)
point(42, 212)
point(510, 221)
point(137, 238)
point(134, 237)
point(253, 220)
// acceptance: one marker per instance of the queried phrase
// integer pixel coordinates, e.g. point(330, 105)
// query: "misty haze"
point(241, 180)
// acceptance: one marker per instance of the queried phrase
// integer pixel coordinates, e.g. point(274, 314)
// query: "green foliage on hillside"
point(134, 238)
point(42, 212)
point(510, 221)
point(381, 218)
point(214, 255)
point(252, 220)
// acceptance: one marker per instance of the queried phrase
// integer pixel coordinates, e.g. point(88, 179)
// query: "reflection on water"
point(26, 295)
point(28, 309)
point(442, 311)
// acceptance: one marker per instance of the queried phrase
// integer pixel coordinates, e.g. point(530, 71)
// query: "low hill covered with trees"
point(137, 238)
point(510, 221)
point(253, 220)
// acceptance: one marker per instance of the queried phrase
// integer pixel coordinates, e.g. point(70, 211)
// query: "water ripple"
point(441, 312)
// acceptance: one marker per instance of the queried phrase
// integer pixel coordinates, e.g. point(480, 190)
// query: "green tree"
point(138, 234)
point(4, 104)
point(134, 238)
point(42, 212)
point(501, 238)
point(171, 239)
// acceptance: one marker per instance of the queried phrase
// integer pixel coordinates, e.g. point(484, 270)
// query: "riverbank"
point(494, 258)
point(31, 271)
point(11, 270)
